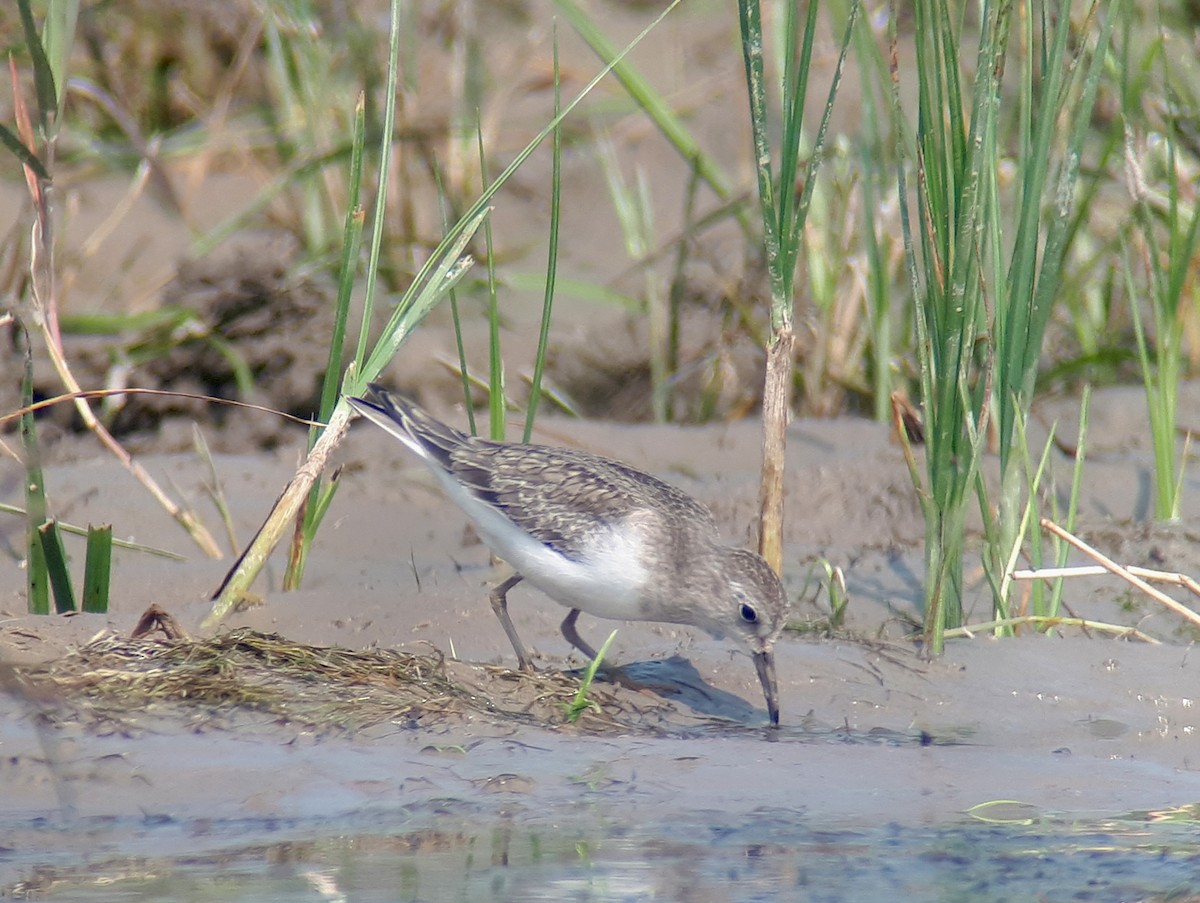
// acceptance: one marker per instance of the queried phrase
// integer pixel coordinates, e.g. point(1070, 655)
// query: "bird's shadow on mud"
point(677, 681)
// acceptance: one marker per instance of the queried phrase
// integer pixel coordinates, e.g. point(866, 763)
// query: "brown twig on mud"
point(1121, 631)
point(1133, 576)
point(1095, 570)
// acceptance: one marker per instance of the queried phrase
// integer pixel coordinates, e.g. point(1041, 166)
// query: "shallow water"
point(710, 814)
point(769, 854)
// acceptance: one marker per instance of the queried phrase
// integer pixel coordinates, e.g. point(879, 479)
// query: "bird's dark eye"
point(749, 615)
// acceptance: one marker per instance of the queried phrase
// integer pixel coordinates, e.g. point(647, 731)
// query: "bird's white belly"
point(607, 581)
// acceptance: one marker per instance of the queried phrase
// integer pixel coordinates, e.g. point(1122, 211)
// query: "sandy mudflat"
point(871, 733)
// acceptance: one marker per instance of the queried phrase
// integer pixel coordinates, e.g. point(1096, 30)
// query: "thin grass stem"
point(539, 360)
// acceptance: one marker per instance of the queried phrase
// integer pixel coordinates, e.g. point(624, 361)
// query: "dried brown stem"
point(776, 403)
point(1124, 573)
point(237, 582)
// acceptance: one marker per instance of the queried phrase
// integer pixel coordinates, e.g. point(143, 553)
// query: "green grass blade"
point(56, 565)
point(1159, 369)
point(750, 21)
point(313, 513)
point(539, 361)
point(878, 291)
point(580, 704)
point(45, 79)
point(37, 578)
point(37, 581)
point(1032, 304)
point(379, 222)
point(789, 216)
point(797, 63)
point(940, 253)
point(1062, 549)
point(1032, 515)
point(59, 37)
point(1168, 262)
point(326, 499)
point(243, 376)
point(351, 241)
point(497, 400)
point(22, 153)
point(792, 224)
point(635, 215)
point(97, 569)
point(464, 373)
point(451, 267)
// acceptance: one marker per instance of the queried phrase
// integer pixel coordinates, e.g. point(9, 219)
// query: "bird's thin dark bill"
point(764, 663)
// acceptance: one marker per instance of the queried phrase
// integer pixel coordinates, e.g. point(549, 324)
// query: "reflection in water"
point(774, 854)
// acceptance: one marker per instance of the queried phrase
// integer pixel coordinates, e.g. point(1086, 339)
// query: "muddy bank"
point(1070, 726)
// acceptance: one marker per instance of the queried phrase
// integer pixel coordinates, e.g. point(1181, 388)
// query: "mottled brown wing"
point(562, 496)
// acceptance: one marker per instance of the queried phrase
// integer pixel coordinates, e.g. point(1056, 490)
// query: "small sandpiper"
point(596, 535)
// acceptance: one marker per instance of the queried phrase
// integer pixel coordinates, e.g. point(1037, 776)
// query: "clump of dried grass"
point(119, 680)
